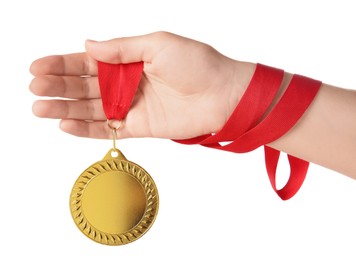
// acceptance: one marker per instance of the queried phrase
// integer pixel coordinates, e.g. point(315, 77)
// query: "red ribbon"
point(244, 130)
point(118, 85)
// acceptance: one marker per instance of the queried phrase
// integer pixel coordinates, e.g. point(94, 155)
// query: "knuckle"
point(85, 90)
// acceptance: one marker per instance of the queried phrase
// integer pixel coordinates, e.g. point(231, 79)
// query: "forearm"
point(326, 133)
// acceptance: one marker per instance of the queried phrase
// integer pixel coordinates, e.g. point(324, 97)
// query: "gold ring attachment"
point(114, 150)
point(110, 121)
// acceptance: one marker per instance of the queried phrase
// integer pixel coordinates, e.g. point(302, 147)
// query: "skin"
point(187, 89)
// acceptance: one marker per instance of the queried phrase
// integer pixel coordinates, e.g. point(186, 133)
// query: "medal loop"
point(114, 150)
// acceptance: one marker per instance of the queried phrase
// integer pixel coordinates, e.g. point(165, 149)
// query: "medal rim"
point(102, 167)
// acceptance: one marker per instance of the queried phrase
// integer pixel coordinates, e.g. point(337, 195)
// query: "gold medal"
point(114, 201)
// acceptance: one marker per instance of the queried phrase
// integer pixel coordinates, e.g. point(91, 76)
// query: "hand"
point(187, 88)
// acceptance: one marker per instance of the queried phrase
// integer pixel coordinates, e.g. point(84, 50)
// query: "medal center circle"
point(114, 202)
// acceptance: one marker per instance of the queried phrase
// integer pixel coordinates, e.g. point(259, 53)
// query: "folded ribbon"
point(118, 85)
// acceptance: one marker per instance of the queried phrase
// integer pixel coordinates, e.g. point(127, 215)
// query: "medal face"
point(114, 201)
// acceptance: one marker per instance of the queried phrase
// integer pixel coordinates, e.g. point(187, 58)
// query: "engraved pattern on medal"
point(114, 165)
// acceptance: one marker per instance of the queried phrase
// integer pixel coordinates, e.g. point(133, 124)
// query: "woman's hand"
point(187, 88)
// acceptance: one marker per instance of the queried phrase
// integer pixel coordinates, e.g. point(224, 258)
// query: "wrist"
point(243, 73)
point(241, 77)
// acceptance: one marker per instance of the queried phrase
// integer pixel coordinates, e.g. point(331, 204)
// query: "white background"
point(214, 204)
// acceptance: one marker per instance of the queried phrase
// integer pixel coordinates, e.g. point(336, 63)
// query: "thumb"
point(124, 50)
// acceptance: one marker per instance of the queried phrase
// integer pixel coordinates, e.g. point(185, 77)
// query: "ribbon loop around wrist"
point(246, 130)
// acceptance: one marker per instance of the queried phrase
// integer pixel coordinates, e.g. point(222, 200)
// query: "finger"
point(66, 87)
point(134, 125)
point(128, 49)
point(74, 109)
point(76, 64)
point(96, 129)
